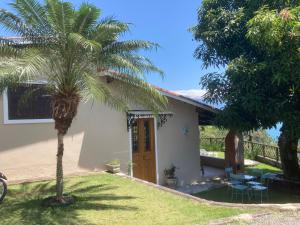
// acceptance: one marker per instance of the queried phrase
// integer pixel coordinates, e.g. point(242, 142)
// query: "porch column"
point(234, 151)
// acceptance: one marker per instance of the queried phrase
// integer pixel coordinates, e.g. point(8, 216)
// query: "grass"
point(264, 167)
point(220, 155)
point(275, 196)
point(217, 154)
point(106, 199)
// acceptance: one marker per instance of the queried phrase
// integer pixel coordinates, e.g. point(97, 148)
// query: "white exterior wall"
point(178, 143)
point(98, 135)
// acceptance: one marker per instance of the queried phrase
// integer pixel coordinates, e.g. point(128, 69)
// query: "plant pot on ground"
point(171, 182)
point(170, 177)
point(113, 166)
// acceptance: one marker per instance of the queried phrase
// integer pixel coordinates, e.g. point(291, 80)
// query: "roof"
point(206, 113)
point(22, 41)
point(170, 94)
point(174, 95)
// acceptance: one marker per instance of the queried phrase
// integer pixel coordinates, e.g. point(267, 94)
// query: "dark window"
point(147, 135)
point(134, 137)
point(29, 101)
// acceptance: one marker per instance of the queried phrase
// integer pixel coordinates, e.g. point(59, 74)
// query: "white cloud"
point(196, 94)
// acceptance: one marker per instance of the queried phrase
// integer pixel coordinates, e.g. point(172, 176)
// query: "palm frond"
point(143, 63)
point(120, 64)
point(80, 41)
point(16, 71)
point(13, 23)
point(109, 30)
point(129, 46)
point(113, 25)
point(127, 63)
point(7, 51)
point(137, 91)
point(60, 16)
point(86, 18)
point(32, 12)
point(94, 89)
point(27, 68)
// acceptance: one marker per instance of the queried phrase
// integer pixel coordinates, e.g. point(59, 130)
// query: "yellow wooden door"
point(143, 149)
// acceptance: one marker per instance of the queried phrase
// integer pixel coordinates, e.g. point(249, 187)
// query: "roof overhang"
point(187, 100)
point(205, 117)
point(206, 113)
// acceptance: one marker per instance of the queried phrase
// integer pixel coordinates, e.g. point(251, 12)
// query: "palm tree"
point(77, 53)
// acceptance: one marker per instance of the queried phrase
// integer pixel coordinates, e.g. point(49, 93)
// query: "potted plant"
point(113, 166)
point(171, 179)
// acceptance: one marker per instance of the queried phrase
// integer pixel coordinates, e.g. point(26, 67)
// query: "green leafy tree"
point(259, 87)
point(275, 34)
point(79, 55)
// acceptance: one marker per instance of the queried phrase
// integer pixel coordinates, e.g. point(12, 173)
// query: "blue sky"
point(166, 23)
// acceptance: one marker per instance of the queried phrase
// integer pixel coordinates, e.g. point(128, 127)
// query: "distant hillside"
point(260, 136)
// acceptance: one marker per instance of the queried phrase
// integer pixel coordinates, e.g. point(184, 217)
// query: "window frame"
point(6, 119)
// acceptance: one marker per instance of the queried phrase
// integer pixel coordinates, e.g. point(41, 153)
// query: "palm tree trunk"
point(59, 167)
point(64, 111)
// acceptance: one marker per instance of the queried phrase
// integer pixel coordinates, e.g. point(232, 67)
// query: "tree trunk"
point(64, 106)
point(234, 151)
point(59, 167)
point(240, 152)
point(288, 154)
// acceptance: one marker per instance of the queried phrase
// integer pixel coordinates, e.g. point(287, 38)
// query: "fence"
point(213, 144)
point(252, 150)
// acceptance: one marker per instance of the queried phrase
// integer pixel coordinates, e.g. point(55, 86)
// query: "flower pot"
point(113, 168)
point(171, 182)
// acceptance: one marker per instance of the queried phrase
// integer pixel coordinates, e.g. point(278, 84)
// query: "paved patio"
point(210, 172)
point(212, 178)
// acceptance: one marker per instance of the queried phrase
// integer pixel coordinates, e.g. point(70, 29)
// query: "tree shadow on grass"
point(92, 188)
point(24, 204)
point(35, 189)
point(274, 197)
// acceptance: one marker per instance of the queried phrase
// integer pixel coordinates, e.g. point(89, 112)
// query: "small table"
point(270, 176)
point(246, 178)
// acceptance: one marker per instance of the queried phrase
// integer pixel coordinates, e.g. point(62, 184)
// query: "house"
point(100, 134)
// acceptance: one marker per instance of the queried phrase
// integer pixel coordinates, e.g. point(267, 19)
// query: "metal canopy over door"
point(143, 149)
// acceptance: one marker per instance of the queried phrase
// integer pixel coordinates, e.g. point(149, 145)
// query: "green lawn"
point(105, 199)
point(275, 196)
point(220, 155)
point(264, 167)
